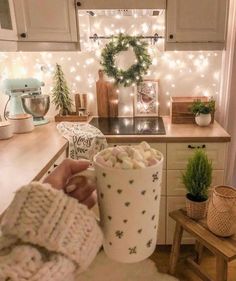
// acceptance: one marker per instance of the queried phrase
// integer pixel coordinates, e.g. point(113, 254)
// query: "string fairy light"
point(82, 67)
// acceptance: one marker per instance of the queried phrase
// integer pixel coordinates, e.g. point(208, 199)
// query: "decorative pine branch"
point(61, 93)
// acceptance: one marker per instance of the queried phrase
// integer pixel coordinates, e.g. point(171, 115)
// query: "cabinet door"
point(51, 21)
point(7, 21)
point(57, 162)
point(176, 187)
point(196, 21)
point(179, 153)
point(175, 203)
point(161, 231)
point(120, 4)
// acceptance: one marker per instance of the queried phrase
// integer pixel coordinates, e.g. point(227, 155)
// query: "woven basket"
point(221, 217)
point(196, 210)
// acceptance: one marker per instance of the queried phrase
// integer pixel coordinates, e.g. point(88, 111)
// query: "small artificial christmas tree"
point(61, 93)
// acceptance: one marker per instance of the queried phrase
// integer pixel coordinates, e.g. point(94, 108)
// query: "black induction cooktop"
point(129, 125)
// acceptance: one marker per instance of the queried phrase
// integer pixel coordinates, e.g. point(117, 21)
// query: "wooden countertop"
point(178, 133)
point(26, 157)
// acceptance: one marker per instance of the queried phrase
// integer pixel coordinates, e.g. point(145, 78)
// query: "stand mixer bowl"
point(36, 105)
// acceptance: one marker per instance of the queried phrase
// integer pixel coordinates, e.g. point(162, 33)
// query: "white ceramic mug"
point(129, 203)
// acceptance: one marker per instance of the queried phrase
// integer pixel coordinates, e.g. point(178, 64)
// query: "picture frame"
point(146, 98)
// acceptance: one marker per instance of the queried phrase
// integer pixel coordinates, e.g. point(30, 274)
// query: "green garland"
point(136, 71)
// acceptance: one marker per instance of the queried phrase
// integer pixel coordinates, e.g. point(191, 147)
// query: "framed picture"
point(146, 98)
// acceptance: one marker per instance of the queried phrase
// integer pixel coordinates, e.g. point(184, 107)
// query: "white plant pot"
point(203, 119)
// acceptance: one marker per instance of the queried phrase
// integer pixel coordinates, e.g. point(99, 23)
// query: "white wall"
point(179, 73)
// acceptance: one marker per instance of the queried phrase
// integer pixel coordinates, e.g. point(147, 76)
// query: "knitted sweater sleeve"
point(43, 216)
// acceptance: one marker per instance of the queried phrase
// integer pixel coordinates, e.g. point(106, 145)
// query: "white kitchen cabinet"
point(175, 186)
point(7, 21)
point(175, 203)
point(200, 22)
point(46, 21)
point(179, 153)
point(55, 163)
point(120, 4)
point(161, 231)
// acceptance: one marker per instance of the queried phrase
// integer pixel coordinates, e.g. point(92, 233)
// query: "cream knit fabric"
point(41, 217)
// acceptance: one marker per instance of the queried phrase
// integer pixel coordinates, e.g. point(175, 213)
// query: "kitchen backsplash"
point(178, 72)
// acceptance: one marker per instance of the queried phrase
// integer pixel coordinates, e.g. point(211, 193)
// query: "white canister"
point(6, 130)
point(129, 204)
point(22, 123)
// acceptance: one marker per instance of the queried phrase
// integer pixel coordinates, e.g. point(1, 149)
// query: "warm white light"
point(78, 78)
point(126, 109)
point(216, 75)
point(168, 77)
point(90, 96)
point(145, 27)
point(154, 61)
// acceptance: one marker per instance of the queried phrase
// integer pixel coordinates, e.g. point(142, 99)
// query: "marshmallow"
point(129, 157)
point(127, 164)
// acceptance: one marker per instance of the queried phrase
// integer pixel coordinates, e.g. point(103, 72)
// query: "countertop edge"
point(136, 138)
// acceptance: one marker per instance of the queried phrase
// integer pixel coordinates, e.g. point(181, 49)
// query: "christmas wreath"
point(137, 70)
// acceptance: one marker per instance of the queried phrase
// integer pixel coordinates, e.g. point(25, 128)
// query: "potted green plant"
point(197, 179)
point(202, 111)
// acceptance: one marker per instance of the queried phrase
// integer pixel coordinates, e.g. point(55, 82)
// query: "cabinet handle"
point(171, 36)
point(78, 4)
point(55, 165)
point(23, 35)
point(194, 147)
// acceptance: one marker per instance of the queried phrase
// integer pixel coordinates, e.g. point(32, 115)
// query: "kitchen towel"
point(84, 139)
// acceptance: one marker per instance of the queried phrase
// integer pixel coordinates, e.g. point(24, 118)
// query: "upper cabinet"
point(192, 23)
point(53, 25)
point(7, 21)
point(120, 4)
point(46, 21)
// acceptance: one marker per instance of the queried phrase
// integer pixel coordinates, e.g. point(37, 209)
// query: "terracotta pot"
point(203, 119)
point(196, 210)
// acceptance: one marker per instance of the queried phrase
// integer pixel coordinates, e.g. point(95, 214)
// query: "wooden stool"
point(223, 248)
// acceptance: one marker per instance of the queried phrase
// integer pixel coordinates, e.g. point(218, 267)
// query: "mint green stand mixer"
point(25, 97)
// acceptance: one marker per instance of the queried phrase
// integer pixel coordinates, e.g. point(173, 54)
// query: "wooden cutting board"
point(107, 97)
point(112, 100)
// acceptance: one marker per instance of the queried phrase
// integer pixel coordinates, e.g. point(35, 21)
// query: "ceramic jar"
point(6, 130)
point(22, 123)
point(203, 119)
